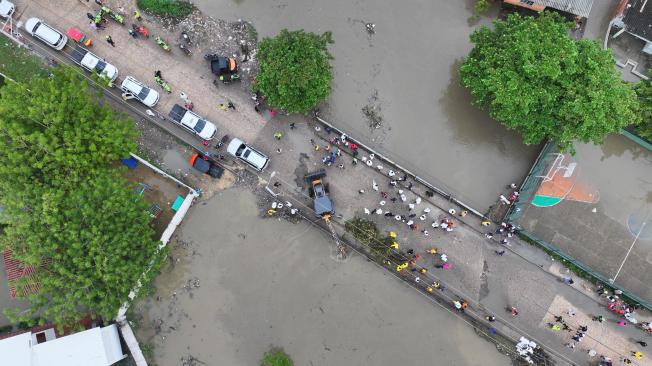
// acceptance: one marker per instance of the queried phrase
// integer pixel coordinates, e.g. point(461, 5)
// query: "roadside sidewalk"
point(488, 281)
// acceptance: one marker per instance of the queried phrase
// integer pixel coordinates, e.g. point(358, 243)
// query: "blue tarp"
point(131, 163)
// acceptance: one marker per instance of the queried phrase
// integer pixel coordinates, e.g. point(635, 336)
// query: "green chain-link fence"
point(527, 191)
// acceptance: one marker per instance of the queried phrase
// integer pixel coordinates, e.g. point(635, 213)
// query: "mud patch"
point(484, 285)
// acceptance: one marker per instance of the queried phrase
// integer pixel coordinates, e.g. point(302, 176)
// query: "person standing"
point(109, 40)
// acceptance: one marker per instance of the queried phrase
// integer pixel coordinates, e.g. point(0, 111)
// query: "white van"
point(37, 28)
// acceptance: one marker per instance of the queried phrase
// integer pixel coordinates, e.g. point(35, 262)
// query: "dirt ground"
point(228, 295)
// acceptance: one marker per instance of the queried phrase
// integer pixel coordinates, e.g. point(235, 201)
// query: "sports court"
point(595, 206)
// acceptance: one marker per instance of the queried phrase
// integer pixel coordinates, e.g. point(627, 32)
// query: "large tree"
point(534, 78)
point(70, 213)
point(295, 73)
point(644, 92)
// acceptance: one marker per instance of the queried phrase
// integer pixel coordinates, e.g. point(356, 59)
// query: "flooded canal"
point(408, 69)
point(238, 284)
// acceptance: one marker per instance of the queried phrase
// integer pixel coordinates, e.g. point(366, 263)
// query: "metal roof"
point(576, 7)
point(638, 19)
point(93, 347)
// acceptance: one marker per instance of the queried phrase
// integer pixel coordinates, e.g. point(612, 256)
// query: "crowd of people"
point(394, 205)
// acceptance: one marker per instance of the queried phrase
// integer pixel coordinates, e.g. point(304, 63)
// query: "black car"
point(206, 165)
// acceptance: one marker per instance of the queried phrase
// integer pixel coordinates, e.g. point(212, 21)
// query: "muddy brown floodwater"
point(251, 283)
point(411, 63)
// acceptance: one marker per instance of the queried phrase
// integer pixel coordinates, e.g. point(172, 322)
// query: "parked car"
point(52, 37)
point(93, 63)
point(7, 8)
point(193, 122)
point(248, 154)
point(206, 165)
point(134, 89)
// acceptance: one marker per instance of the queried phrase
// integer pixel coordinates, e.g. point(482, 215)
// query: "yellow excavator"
point(323, 205)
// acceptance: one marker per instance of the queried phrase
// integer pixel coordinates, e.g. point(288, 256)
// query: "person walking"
point(109, 40)
point(230, 105)
point(278, 135)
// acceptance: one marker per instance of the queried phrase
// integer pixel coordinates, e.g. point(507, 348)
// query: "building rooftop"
point(580, 8)
point(638, 19)
point(94, 347)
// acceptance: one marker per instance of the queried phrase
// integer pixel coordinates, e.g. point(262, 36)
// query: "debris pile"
point(372, 111)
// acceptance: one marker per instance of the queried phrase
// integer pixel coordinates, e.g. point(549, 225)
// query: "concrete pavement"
point(485, 279)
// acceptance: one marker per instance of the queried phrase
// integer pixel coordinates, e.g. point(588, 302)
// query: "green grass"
point(19, 64)
point(174, 9)
point(276, 357)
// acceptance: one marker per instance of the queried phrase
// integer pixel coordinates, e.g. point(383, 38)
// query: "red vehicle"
point(79, 37)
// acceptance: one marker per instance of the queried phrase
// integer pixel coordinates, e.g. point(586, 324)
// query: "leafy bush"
point(367, 233)
point(276, 357)
point(6, 328)
point(363, 230)
point(177, 9)
point(480, 7)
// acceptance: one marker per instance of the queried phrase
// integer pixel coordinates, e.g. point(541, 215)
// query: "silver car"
point(248, 154)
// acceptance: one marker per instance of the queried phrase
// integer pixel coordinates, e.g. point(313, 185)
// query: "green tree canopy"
point(644, 92)
point(295, 73)
point(537, 80)
point(276, 357)
point(70, 213)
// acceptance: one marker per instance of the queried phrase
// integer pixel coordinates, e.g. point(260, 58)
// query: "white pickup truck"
point(93, 63)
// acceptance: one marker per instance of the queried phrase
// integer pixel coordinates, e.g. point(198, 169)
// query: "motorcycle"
point(140, 29)
point(159, 80)
point(185, 49)
point(228, 78)
point(112, 14)
point(161, 42)
point(186, 37)
point(117, 17)
point(223, 141)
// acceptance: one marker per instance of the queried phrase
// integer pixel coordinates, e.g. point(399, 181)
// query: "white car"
point(52, 37)
point(7, 8)
point(248, 154)
point(134, 89)
point(93, 63)
point(192, 122)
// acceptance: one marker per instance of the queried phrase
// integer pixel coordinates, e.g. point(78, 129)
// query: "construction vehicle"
point(318, 191)
point(323, 207)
